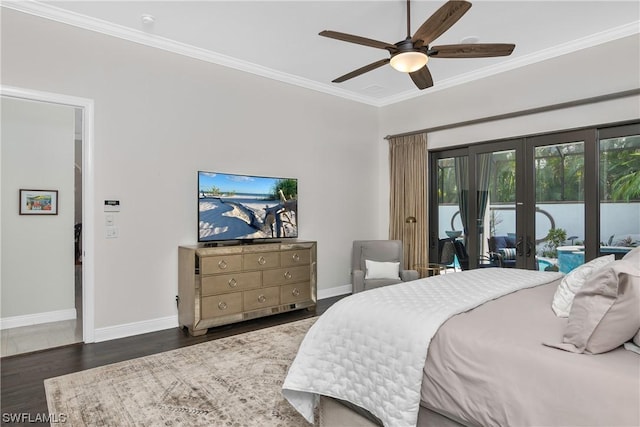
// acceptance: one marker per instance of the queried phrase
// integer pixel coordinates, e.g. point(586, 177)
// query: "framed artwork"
point(38, 202)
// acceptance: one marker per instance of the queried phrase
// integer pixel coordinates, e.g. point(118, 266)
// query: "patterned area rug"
point(233, 381)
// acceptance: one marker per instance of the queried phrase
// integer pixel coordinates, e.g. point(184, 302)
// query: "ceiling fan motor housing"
point(406, 45)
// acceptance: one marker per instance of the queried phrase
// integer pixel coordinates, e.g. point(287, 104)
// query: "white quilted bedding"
point(370, 348)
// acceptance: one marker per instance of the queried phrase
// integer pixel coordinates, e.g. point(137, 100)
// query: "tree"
point(627, 187)
point(289, 188)
point(620, 169)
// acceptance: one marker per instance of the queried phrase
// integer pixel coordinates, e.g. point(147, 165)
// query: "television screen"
point(242, 207)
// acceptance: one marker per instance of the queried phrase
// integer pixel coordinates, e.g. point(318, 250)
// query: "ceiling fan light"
point(408, 62)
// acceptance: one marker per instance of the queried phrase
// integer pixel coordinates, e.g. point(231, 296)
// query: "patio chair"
point(502, 250)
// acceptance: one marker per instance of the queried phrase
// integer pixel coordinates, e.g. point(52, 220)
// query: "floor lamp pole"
point(410, 220)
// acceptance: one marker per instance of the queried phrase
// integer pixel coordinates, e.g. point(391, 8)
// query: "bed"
point(485, 362)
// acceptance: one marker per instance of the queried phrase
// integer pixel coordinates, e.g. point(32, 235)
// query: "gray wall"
point(603, 69)
point(37, 250)
point(159, 118)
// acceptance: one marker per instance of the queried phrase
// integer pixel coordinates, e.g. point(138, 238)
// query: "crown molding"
point(518, 62)
point(53, 13)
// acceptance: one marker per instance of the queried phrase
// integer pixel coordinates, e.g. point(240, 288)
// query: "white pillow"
point(382, 270)
point(573, 281)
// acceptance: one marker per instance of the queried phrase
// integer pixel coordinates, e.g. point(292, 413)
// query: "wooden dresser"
point(227, 284)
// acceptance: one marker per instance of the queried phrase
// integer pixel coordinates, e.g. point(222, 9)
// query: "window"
point(560, 172)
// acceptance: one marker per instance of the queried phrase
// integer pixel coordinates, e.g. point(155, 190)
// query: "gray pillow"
point(633, 256)
point(604, 314)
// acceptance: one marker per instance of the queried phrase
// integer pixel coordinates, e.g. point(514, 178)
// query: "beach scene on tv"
point(234, 207)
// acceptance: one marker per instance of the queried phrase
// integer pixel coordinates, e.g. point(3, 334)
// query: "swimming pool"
point(543, 263)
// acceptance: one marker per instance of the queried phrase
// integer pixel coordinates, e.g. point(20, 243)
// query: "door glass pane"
point(453, 190)
point(619, 195)
point(496, 215)
point(559, 219)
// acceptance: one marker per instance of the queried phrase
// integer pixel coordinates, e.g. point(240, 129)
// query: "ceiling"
point(279, 39)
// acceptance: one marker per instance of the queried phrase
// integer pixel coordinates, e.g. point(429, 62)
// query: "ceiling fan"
point(411, 54)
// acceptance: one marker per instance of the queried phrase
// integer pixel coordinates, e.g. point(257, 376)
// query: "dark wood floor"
point(23, 375)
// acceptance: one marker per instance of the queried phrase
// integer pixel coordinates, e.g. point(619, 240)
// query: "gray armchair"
point(378, 251)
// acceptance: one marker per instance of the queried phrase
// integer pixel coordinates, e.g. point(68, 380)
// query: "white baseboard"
point(135, 328)
point(335, 291)
point(153, 325)
point(37, 318)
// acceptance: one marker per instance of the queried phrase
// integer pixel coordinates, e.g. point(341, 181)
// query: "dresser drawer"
point(220, 264)
point(260, 260)
point(295, 292)
point(230, 282)
point(295, 257)
point(283, 276)
point(221, 305)
point(261, 298)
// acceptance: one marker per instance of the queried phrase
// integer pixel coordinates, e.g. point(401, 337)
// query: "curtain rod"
point(529, 111)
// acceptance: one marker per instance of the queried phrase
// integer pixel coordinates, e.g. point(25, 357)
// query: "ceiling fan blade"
point(440, 22)
point(422, 78)
point(362, 70)
point(475, 50)
point(358, 40)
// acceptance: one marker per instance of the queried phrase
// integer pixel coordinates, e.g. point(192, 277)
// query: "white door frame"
point(88, 231)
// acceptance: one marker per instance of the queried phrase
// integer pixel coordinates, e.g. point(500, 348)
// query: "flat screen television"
point(245, 208)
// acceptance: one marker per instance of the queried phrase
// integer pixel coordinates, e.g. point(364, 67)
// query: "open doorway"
point(44, 303)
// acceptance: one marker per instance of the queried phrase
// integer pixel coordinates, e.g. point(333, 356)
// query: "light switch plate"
point(111, 232)
point(112, 205)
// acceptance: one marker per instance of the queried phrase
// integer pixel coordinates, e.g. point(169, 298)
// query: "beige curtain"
point(408, 194)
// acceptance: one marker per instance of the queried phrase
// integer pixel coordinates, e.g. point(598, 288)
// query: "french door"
point(498, 205)
point(562, 198)
point(512, 203)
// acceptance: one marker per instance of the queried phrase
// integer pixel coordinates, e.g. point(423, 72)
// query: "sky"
point(236, 183)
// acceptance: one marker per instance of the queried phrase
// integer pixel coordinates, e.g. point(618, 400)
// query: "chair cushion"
point(508, 253)
point(504, 242)
point(500, 242)
point(377, 283)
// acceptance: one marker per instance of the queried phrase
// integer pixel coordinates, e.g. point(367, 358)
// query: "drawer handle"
point(262, 261)
point(296, 257)
point(222, 305)
point(295, 292)
point(233, 283)
point(262, 298)
point(287, 275)
point(222, 264)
